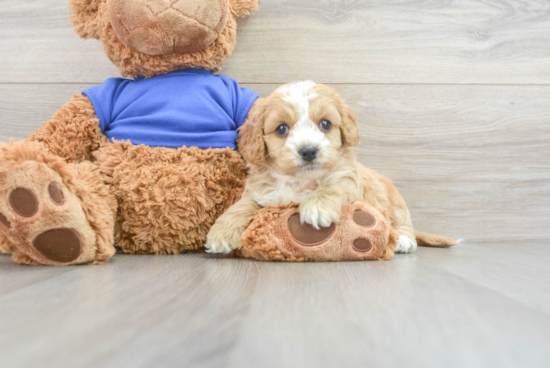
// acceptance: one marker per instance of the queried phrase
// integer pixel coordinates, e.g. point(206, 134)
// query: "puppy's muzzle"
point(308, 153)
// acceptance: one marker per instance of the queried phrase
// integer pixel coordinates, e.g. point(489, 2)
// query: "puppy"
point(298, 148)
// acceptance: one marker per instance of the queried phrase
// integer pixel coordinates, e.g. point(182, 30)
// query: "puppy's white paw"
point(223, 247)
point(406, 245)
point(320, 213)
point(219, 241)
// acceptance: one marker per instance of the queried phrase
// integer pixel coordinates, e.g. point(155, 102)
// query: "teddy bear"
point(142, 164)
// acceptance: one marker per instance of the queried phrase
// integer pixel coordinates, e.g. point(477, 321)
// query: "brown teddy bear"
point(146, 163)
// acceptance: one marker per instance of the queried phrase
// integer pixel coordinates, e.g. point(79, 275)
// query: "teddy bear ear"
point(85, 17)
point(242, 8)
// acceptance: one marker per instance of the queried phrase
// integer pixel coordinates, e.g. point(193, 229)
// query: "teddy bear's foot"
point(277, 234)
point(43, 218)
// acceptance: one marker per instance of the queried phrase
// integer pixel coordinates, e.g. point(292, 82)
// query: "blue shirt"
point(183, 108)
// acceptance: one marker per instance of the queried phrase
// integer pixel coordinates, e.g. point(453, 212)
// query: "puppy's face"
point(302, 127)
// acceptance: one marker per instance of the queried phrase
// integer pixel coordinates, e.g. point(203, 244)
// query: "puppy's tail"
point(431, 240)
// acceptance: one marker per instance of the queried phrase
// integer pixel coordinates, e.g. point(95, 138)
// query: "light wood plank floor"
point(453, 100)
point(476, 305)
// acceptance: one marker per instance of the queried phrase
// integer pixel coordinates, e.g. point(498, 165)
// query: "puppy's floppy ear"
point(85, 17)
point(251, 142)
point(242, 8)
point(350, 134)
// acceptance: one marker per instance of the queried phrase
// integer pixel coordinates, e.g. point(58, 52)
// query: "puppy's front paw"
point(222, 240)
point(320, 212)
point(406, 245)
point(222, 247)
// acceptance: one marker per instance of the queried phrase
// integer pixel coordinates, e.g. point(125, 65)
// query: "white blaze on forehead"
point(305, 132)
point(299, 94)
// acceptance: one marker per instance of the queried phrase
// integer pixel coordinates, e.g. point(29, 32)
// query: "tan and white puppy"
point(298, 148)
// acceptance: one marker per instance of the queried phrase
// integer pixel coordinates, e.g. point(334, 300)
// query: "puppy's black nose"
point(308, 153)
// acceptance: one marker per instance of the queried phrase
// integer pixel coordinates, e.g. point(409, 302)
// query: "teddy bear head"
point(155, 37)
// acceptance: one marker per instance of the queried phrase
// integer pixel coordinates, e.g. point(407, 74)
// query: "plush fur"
point(169, 198)
point(161, 28)
point(91, 20)
point(88, 207)
point(268, 238)
point(74, 132)
point(143, 200)
point(280, 173)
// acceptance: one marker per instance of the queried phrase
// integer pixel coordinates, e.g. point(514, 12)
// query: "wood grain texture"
point(435, 308)
point(471, 161)
point(330, 41)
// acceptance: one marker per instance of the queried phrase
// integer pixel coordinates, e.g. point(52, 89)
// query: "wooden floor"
point(453, 101)
point(477, 305)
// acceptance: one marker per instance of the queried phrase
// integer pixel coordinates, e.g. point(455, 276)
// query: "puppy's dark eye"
point(325, 125)
point(282, 130)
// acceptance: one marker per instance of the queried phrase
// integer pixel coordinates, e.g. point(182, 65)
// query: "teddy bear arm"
point(74, 132)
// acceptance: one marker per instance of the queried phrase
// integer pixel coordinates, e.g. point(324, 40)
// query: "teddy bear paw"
point(361, 234)
point(354, 239)
point(41, 219)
